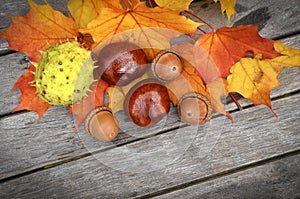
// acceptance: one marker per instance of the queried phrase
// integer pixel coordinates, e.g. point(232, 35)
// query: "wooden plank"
point(170, 158)
point(278, 179)
point(47, 132)
point(12, 66)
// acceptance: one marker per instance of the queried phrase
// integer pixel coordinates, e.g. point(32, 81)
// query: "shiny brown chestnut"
point(167, 65)
point(119, 63)
point(101, 124)
point(194, 109)
point(147, 102)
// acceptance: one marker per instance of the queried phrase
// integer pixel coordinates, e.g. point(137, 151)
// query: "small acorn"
point(119, 63)
point(194, 109)
point(147, 102)
point(167, 65)
point(101, 124)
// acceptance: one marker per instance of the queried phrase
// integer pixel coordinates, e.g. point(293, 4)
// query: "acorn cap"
point(194, 109)
point(101, 123)
point(167, 65)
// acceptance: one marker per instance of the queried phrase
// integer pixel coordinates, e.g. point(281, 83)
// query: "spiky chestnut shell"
point(64, 74)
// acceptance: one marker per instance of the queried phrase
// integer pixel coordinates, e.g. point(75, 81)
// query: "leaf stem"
point(150, 3)
point(203, 31)
point(200, 19)
point(126, 4)
point(235, 101)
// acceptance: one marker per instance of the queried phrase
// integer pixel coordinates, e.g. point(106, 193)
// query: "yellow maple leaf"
point(174, 5)
point(86, 10)
point(111, 22)
point(255, 78)
point(228, 7)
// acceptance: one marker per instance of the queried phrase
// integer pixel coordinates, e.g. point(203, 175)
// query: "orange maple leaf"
point(29, 97)
point(41, 26)
point(111, 21)
point(93, 99)
point(226, 46)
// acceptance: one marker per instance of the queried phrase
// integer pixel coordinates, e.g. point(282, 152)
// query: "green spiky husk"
point(64, 74)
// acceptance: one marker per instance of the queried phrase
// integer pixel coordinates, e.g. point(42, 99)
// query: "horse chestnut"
point(119, 63)
point(101, 123)
point(194, 109)
point(147, 102)
point(167, 65)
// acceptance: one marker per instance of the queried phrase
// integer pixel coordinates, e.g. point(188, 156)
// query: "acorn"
point(167, 65)
point(194, 109)
point(147, 102)
point(119, 63)
point(101, 124)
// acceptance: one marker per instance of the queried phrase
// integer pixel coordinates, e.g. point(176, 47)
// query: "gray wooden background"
point(256, 156)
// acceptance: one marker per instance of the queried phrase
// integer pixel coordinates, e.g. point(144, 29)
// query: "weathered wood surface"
point(47, 159)
point(276, 179)
point(164, 161)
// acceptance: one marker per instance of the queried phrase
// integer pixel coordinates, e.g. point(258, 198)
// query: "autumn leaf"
point(174, 5)
point(86, 10)
point(29, 97)
point(151, 40)
point(228, 7)
point(111, 22)
point(255, 78)
point(41, 26)
point(94, 99)
point(218, 89)
point(226, 46)
point(188, 81)
point(290, 56)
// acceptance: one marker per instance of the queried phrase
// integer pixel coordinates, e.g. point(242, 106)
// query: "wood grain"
point(217, 147)
point(276, 179)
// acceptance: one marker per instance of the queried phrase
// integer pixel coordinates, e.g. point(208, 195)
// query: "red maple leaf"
point(29, 97)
